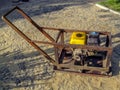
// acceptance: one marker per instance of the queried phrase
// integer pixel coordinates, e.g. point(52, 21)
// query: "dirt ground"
point(21, 66)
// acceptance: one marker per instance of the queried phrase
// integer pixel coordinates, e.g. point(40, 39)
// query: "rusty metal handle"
point(24, 36)
point(30, 20)
point(9, 12)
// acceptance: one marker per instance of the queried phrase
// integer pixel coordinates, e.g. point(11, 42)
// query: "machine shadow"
point(22, 70)
point(116, 56)
point(116, 60)
point(40, 7)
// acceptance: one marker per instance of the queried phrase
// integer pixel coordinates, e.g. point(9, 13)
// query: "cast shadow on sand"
point(39, 7)
point(116, 60)
point(116, 56)
point(21, 70)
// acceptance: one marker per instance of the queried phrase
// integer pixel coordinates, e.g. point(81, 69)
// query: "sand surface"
point(21, 66)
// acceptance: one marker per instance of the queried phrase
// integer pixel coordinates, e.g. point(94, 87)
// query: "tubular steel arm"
point(4, 17)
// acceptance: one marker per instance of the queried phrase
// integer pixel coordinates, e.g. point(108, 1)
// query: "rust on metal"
point(66, 58)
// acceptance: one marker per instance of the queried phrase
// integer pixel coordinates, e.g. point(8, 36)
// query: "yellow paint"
point(78, 38)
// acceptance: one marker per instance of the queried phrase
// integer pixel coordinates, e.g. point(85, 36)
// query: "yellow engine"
point(78, 38)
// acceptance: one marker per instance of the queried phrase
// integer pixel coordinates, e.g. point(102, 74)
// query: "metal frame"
point(61, 46)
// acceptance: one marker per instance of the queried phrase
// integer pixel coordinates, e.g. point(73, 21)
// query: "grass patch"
point(112, 4)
